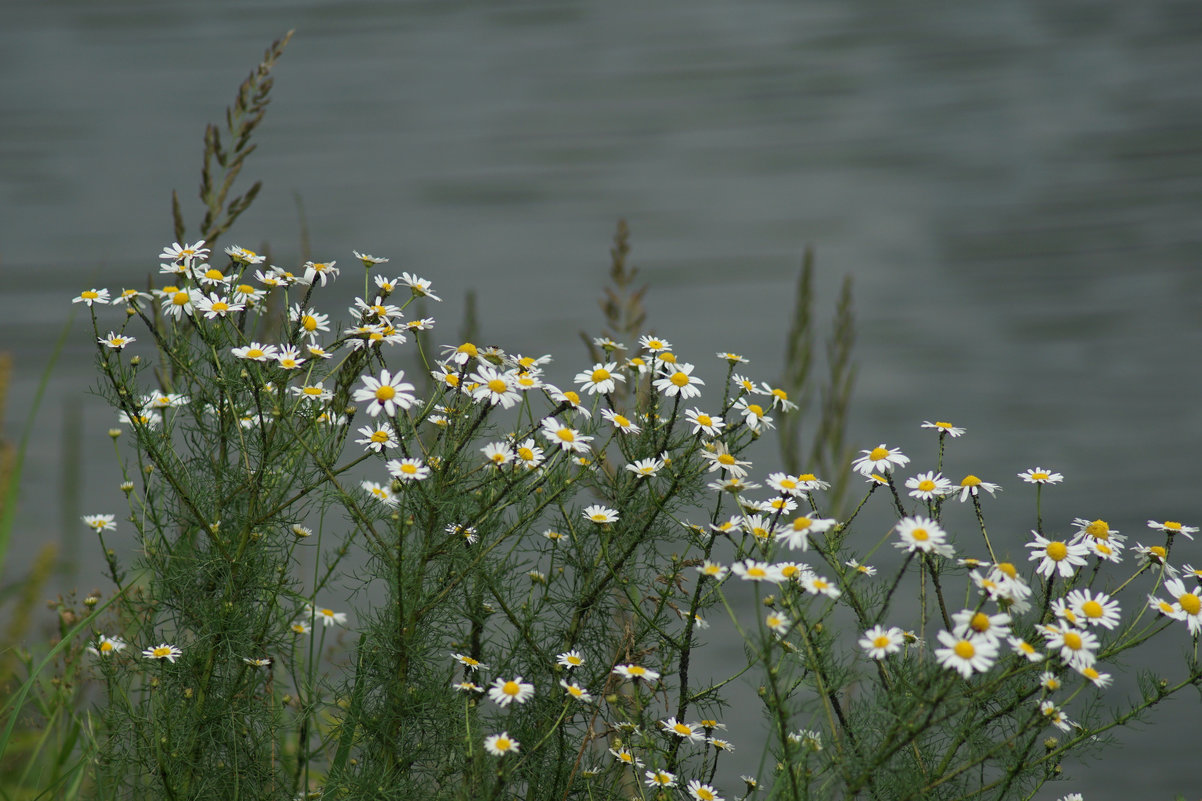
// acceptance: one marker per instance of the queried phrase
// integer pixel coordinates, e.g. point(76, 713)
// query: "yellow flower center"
point(807, 477)
point(682, 729)
point(780, 393)
point(1056, 551)
point(920, 534)
point(654, 344)
point(245, 289)
point(511, 688)
point(1098, 529)
point(220, 306)
point(385, 393)
point(789, 571)
point(878, 454)
point(788, 483)
point(755, 409)
point(180, 298)
point(970, 481)
point(315, 391)
point(408, 469)
point(599, 375)
point(1190, 603)
point(502, 744)
point(161, 651)
point(964, 649)
point(469, 349)
point(926, 485)
point(89, 295)
point(881, 642)
point(1037, 476)
point(215, 275)
point(980, 622)
point(106, 646)
point(309, 322)
point(679, 379)
point(1092, 609)
point(566, 435)
point(254, 353)
point(703, 793)
point(1073, 641)
point(941, 424)
point(497, 385)
point(572, 397)
point(1007, 569)
point(525, 454)
point(1171, 525)
point(1158, 551)
point(379, 436)
point(1090, 674)
point(621, 422)
point(704, 420)
point(637, 670)
point(725, 459)
point(756, 571)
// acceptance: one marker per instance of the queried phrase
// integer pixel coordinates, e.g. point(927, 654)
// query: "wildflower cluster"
point(531, 563)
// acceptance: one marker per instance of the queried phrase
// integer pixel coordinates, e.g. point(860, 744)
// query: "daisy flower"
point(570, 659)
point(163, 651)
point(576, 691)
point(796, 534)
point(244, 256)
point(720, 458)
point(1055, 716)
point(654, 344)
point(184, 253)
point(500, 744)
point(645, 468)
point(751, 570)
point(660, 778)
point(299, 627)
point(420, 287)
point(216, 305)
point(1096, 529)
point(777, 622)
point(380, 492)
point(180, 302)
point(569, 397)
point(780, 398)
point(317, 393)
point(100, 523)
point(785, 484)
point(712, 570)
point(880, 459)
point(601, 379)
point(387, 393)
point(620, 422)
point(116, 341)
point(867, 570)
point(369, 261)
point(703, 792)
point(1040, 475)
point(966, 655)
point(733, 358)
point(704, 423)
point(1077, 647)
point(90, 296)
point(1095, 609)
point(289, 358)
point(407, 469)
point(624, 756)
point(494, 386)
point(106, 646)
point(685, 731)
point(462, 354)
point(878, 642)
point(810, 482)
point(377, 438)
point(971, 485)
point(922, 534)
point(468, 662)
point(528, 454)
point(678, 380)
point(943, 428)
point(254, 661)
point(256, 352)
point(818, 585)
point(759, 527)
point(1173, 527)
point(321, 270)
point(498, 453)
point(929, 486)
point(1188, 605)
point(309, 322)
point(1025, 648)
point(1101, 680)
point(753, 415)
point(328, 616)
point(976, 623)
point(637, 364)
point(566, 437)
point(601, 514)
point(506, 691)
point(1056, 555)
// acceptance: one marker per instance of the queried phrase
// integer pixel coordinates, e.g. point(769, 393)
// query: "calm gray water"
point(1016, 188)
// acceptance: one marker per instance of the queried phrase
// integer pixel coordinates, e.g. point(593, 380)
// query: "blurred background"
point(1014, 187)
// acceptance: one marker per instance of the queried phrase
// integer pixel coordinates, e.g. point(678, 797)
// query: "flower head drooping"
point(971, 486)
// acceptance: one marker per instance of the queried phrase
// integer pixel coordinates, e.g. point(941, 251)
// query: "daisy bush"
point(536, 565)
point(366, 565)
